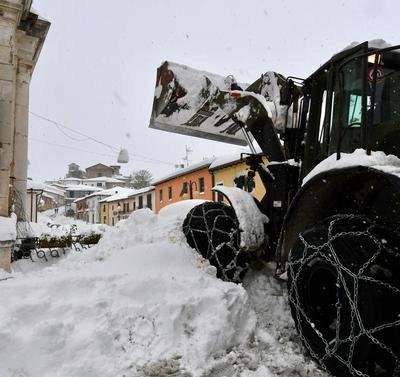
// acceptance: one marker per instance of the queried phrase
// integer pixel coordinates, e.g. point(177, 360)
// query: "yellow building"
point(230, 171)
point(104, 216)
point(117, 207)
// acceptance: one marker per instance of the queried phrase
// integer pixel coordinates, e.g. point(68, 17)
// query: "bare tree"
point(141, 178)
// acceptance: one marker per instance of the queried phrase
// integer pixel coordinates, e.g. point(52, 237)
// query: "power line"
point(81, 150)
point(72, 130)
point(88, 137)
point(69, 147)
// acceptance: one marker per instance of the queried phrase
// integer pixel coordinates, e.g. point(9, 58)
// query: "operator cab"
point(339, 97)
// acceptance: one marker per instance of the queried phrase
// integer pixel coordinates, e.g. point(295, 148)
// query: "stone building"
point(22, 34)
point(99, 170)
point(74, 171)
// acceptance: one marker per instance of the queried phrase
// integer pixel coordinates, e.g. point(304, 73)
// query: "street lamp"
point(189, 185)
point(123, 156)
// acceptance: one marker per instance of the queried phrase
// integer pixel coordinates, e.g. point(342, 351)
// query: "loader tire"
point(213, 230)
point(344, 295)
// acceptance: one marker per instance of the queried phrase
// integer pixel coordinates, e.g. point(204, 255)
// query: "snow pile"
point(377, 160)
point(57, 225)
point(138, 304)
point(251, 220)
point(143, 304)
point(277, 348)
point(8, 228)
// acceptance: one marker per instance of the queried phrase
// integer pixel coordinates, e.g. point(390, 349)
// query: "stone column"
point(8, 26)
point(9, 19)
point(26, 50)
point(21, 37)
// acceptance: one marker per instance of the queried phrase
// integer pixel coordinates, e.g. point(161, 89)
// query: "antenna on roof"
point(187, 151)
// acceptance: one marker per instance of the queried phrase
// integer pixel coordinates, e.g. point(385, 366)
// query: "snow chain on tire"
point(344, 293)
point(213, 230)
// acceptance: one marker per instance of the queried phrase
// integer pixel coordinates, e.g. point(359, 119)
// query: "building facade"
point(93, 203)
point(103, 182)
point(21, 39)
point(99, 170)
point(144, 198)
point(117, 207)
point(81, 209)
point(193, 182)
point(230, 171)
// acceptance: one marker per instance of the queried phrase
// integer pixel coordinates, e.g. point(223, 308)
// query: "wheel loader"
point(330, 218)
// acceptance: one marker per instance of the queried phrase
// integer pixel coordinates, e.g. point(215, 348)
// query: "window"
point(354, 118)
point(104, 208)
point(126, 207)
point(170, 193)
point(112, 207)
point(184, 188)
point(149, 201)
point(99, 184)
point(140, 202)
point(104, 219)
point(161, 195)
point(201, 184)
point(99, 174)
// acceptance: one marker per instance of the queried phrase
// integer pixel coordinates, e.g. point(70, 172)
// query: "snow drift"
point(139, 297)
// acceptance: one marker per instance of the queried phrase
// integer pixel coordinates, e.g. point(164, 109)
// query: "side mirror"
point(288, 93)
point(292, 90)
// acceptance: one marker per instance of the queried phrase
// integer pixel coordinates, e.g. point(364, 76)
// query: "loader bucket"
point(197, 103)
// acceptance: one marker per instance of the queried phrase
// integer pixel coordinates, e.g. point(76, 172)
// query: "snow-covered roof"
point(42, 186)
point(102, 179)
point(71, 179)
point(121, 177)
point(56, 184)
point(102, 193)
point(229, 159)
point(47, 195)
point(143, 190)
point(225, 160)
point(200, 165)
point(82, 188)
point(124, 193)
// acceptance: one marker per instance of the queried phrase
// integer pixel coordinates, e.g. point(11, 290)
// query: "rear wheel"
point(344, 294)
point(213, 230)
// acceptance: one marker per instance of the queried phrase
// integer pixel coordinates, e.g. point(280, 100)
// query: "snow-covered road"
point(143, 304)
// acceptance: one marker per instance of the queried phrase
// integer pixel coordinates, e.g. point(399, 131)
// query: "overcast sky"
point(96, 72)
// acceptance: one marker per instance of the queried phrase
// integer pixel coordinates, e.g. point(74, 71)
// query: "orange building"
point(193, 182)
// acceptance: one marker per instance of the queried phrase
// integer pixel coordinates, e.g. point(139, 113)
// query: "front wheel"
point(344, 295)
point(213, 230)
